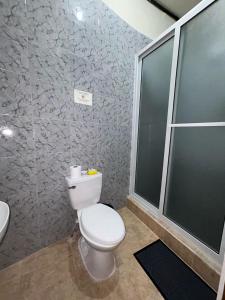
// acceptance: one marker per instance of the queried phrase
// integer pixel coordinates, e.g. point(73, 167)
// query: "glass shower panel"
point(200, 93)
point(195, 197)
point(154, 96)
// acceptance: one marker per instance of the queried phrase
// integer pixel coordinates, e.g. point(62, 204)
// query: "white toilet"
point(102, 228)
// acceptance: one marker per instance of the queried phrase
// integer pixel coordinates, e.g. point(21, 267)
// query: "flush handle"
point(72, 187)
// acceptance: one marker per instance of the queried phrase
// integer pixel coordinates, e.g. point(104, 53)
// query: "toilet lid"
point(102, 224)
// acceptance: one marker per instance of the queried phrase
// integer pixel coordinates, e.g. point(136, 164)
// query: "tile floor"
point(56, 272)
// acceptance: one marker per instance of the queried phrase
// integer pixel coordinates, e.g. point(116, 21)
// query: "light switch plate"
point(82, 97)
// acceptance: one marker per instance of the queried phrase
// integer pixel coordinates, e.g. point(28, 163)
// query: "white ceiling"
point(178, 7)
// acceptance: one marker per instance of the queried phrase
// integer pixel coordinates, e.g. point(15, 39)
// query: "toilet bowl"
point(102, 231)
point(102, 228)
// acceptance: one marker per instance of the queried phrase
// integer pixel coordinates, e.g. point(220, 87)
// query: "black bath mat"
point(173, 278)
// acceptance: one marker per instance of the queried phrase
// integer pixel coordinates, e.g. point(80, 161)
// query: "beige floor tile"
point(57, 273)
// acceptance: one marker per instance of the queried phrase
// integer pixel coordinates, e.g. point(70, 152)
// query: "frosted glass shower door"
point(154, 96)
point(196, 182)
point(195, 195)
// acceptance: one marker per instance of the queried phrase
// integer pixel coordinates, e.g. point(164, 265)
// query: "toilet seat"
point(102, 224)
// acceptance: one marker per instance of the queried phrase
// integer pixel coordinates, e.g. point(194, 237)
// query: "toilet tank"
point(85, 190)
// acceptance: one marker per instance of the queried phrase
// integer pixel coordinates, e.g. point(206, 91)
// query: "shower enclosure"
point(178, 142)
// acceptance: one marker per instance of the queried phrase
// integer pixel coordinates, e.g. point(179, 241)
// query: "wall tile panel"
point(48, 48)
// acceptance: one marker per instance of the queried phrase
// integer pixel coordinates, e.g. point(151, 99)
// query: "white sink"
point(4, 218)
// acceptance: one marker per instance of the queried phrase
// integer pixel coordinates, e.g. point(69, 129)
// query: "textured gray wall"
point(45, 52)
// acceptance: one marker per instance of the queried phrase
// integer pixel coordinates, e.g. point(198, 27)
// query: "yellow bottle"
point(92, 171)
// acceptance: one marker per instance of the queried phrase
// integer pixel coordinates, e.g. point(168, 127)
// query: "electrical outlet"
point(82, 97)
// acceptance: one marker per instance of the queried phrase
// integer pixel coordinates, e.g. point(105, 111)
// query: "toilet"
point(101, 227)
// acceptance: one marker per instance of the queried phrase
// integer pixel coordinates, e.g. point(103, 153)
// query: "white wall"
point(141, 15)
point(179, 7)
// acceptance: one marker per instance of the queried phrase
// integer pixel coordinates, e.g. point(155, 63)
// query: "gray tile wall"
point(46, 52)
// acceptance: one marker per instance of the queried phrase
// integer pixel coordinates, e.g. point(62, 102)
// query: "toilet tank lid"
point(71, 180)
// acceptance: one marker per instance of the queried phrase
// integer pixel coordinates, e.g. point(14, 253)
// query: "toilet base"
point(100, 265)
